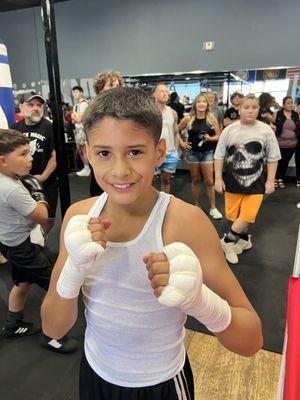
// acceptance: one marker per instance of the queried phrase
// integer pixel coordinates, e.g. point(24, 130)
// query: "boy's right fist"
point(220, 185)
point(85, 238)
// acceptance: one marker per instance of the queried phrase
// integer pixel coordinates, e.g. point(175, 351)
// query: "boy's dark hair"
point(236, 94)
point(77, 88)
point(125, 103)
point(174, 97)
point(10, 139)
point(265, 100)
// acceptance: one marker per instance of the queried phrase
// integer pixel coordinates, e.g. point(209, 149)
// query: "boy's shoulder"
point(183, 222)
point(6, 182)
point(10, 187)
point(82, 207)
point(263, 126)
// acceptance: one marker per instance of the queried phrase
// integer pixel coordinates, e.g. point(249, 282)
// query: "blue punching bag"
point(7, 106)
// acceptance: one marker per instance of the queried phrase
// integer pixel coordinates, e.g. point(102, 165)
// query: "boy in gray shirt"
point(250, 152)
point(23, 205)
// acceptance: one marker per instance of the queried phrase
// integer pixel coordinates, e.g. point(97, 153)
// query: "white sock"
point(87, 167)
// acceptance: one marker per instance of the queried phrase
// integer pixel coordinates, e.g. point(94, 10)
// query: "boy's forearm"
point(244, 334)
point(271, 171)
point(218, 166)
point(58, 315)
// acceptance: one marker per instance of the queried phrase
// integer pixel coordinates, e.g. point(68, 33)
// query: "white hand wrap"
point(186, 291)
point(82, 255)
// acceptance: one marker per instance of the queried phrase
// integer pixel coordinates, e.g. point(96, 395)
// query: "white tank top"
point(131, 339)
point(167, 132)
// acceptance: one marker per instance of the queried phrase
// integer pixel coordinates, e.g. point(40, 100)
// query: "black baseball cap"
point(28, 96)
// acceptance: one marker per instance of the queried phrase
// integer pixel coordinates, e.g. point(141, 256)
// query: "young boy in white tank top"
point(144, 260)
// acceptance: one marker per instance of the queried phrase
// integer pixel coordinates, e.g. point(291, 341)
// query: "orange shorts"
point(244, 206)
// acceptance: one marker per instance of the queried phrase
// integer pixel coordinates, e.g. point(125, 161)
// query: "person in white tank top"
point(171, 135)
point(144, 260)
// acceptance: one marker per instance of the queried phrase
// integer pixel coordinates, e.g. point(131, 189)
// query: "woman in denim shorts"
point(203, 134)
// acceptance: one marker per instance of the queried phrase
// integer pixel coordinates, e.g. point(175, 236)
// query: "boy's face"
point(236, 100)
point(123, 156)
point(249, 111)
point(77, 94)
point(18, 162)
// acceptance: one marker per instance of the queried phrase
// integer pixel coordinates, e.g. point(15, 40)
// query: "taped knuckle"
point(79, 238)
point(177, 248)
point(91, 249)
point(185, 264)
point(80, 218)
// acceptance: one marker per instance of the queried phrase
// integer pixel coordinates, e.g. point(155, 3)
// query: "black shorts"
point(29, 263)
point(92, 387)
point(51, 192)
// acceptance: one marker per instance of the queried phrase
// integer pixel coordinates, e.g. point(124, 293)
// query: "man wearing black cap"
point(39, 130)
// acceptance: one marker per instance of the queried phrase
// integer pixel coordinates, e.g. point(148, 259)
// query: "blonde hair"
point(101, 79)
point(250, 96)
point(210, 118)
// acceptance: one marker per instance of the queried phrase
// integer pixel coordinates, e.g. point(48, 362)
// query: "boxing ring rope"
point(288, 385)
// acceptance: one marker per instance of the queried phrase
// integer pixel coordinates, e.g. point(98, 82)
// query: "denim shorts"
point(170, 163)
point(203, 157)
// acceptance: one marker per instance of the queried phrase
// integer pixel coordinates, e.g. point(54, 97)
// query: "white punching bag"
point(7, 106)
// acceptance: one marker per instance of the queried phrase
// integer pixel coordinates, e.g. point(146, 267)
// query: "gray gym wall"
point(138, 36)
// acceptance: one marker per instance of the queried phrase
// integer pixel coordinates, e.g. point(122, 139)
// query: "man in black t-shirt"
point(232, 114)
point(39, 130)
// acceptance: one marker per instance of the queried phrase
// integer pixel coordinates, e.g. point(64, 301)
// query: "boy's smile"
point(123, 155)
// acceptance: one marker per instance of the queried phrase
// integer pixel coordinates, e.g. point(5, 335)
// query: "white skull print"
point(247, 161)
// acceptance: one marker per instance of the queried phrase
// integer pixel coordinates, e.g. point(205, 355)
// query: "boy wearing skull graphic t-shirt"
point(250, 152)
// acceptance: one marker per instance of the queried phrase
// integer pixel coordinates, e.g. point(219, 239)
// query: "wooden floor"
point(222, 375)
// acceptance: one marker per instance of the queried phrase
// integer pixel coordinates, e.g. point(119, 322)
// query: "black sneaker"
point(64, 345)
point(20, 329)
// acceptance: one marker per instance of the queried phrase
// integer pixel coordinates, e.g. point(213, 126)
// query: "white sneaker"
point(242, 245)
point(84, 172)
point(229, 252)
point(215, 213)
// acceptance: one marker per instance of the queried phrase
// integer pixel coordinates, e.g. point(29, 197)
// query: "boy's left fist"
point(175, 275)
